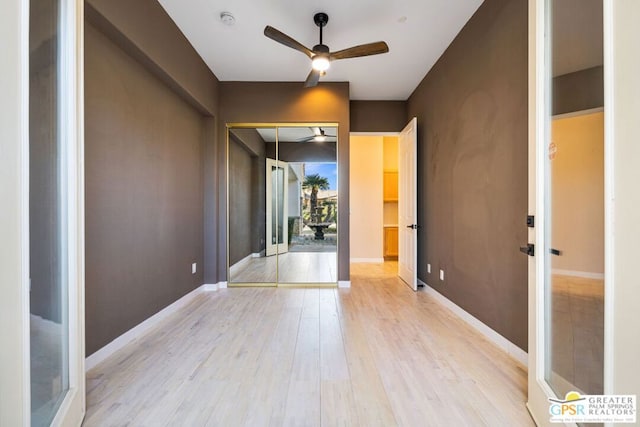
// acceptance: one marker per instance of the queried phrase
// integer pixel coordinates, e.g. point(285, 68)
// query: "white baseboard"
point(506, 345)
point(222, 285)
point(372, 260)
point(210, 287)
point(235, 268)
point(142, 328)
point(581, 274)
point(344, 283)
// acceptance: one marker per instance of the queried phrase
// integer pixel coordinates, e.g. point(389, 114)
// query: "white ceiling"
point(242, 53)
point(294, 134)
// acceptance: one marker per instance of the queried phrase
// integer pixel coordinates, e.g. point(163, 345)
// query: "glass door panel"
point(49, 270)
point(574, 200)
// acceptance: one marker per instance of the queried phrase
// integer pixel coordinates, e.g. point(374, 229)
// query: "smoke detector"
point(227, 18)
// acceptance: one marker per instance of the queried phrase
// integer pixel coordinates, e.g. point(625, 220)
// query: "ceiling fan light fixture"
point(320, 63)
point(321, 57)
point(319, 138)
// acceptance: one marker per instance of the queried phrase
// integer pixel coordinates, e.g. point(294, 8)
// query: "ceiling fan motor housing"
point(321, 19)
point(321, 48)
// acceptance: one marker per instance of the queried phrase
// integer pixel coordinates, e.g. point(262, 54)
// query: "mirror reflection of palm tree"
point(315, 182)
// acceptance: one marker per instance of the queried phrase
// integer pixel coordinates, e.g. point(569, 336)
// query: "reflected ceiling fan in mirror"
point(318, 136)
point(320, 55)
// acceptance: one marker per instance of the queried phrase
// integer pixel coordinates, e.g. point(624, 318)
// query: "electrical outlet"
point(194, 268)
point(441, 274)
point(428, 268)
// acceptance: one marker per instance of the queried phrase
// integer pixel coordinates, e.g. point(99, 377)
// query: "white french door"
point(407, 207)
point(277, 180)
point(567, 331)
point(42, 379)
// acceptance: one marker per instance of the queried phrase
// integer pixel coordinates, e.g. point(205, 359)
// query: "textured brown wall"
point(145, 30)
point(472, 135)
point(44, 234)
point(578, 91)
point(378, 116)
point(259, 102)
point(241, 191)
point(144, 192)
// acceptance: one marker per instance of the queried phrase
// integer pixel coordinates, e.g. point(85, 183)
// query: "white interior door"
point(407, 208)
point(42, 377)
point(566, 352)
point(277, 181)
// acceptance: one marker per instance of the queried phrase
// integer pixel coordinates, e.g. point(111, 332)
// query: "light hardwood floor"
point(377, 354)
point(577, 330)
point(293, 267)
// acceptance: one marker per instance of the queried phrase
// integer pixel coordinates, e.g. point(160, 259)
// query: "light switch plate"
point(442, 275)
point(193, 268)
point(428, 268)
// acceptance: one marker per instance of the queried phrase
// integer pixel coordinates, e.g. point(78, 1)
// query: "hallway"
point(374, 354)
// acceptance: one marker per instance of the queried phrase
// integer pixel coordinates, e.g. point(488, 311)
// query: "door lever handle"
point(530, 249)
point(555, 252)
point(413, 226)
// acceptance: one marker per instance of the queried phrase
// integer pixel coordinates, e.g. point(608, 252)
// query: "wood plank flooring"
point(293, 267)
point(577, 331)
point(377, 354)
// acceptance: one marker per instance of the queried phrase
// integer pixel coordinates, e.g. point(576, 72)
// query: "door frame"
point(73, 407)
point(14, 224)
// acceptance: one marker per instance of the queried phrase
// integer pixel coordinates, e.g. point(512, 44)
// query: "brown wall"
point(582, 90)
point(147, 33)
point(44, 232)
point(378, 116)
point(241, 191)
point(247, 198)
point(259, 102)
point(146, 143)
point(472, 155)
point(145, 30)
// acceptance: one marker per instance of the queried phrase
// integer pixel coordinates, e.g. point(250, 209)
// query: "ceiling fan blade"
point(361, 50)
point(312, 78)
point(284, 39)
point(306, 139)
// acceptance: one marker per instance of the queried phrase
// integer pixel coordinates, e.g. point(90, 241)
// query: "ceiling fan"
point(319, 136)
point(320, 55)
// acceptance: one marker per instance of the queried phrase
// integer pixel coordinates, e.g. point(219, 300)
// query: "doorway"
point(282, 204)
point(383, 217)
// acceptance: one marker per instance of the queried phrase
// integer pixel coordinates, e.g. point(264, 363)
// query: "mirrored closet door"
point(282, 205)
